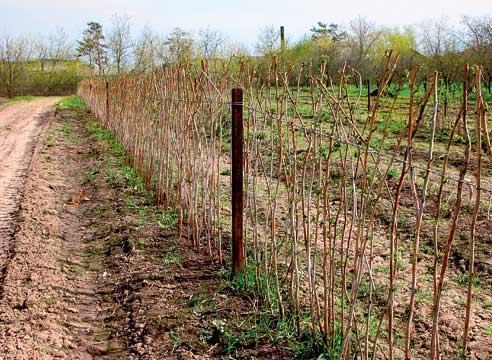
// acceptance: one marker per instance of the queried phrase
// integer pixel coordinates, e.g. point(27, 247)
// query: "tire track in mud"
point(20, 125)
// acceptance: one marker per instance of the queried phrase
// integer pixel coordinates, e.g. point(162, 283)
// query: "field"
point(260, 180)
point(367, 233)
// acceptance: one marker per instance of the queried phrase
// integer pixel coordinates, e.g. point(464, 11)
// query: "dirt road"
point(20, 125)
point(54, 302)
point(90, 265)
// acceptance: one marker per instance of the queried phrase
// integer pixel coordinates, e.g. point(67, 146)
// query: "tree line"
point(435, 44)
point(39, 66)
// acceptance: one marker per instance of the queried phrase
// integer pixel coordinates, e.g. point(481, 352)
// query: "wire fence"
point(350, 216)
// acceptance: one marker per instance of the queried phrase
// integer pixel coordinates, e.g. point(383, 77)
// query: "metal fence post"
point(237, 143)
point(107, 102)
point(282, 40)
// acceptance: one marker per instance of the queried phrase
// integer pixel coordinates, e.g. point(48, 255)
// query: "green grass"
point(97, 132)
point(462, 279)
point(264, 328)
point(168, 220)
point(265, 325)
point(72, 102)
point(67, 131)
point(24, 98)
point(171, 257)
point(487, 329)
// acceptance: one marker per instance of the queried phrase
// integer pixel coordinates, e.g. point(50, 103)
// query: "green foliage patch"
point(72, 102)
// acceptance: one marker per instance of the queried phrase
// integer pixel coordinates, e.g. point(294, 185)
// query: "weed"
point(131, 202)
point(142, 212)
point(91, 175)
point(363, 289)
point(202, 305)
point(168, 220)
point(176, 340)
point(400, 265)
point(382, 270)
point(171, 257)
point(97, 132)
point(50, 140)
point(139, 222)
point(487, 329)
point(487, 304)
point(262, 327)
point(393, 173)
point(125, 176)
point(141, 243)
point(72, 102)
point(424, 296)
point(461, 354)
point(67, 131)
point(462, 279)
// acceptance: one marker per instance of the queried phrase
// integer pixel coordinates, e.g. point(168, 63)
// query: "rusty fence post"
point(445, 105)
point(107, 102)
point(282, 39)
point(237, 143)
point(91, 102)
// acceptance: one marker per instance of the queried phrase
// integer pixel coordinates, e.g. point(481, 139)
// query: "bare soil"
point(92, 269)
point(20, 125)
point(52, 301)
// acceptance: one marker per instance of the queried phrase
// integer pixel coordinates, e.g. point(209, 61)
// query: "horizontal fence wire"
point(337, 139)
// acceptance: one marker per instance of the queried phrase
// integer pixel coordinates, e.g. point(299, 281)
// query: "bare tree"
point(363, 34)
point(14, 55)
point(478, 39)
point(437, 38)
point(440, 42)
point(180, 44)
point(210, 43)
point(149, 51)
point(119, 42)
point(53, 55)
point(55, 48)
point(268, 41)
point(235, 49)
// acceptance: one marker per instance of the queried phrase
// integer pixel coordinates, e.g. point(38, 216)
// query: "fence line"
point(325, 228)
point(337, 139)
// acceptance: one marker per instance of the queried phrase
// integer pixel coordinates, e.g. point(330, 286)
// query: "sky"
point(240, 21)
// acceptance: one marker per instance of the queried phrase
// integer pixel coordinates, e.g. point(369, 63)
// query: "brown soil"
point(51, 302)
point(93, 270)
point(20, 124)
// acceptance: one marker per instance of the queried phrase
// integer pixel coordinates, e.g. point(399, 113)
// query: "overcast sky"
point(239, 20)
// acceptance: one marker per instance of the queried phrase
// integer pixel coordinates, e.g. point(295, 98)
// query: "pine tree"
point(93, 47)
